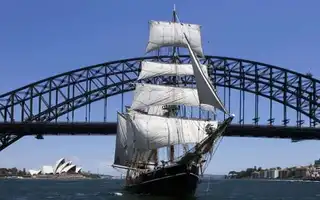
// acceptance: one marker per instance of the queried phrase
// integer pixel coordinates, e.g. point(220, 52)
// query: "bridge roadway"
point(110, 128)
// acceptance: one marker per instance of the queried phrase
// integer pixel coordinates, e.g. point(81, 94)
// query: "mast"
point(155, 156)
point(174, 19)
point(176, 83)
point(174, 80)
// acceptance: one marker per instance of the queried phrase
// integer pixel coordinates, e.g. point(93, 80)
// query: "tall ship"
point(162, 149)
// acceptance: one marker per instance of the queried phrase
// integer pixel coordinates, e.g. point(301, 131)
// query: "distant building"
point(274, 173)
point(266, 174)
point(302, 172)
point(261, 174)
point(284, 173)
point(255, 174)
point(317, 163)
point(60, 167)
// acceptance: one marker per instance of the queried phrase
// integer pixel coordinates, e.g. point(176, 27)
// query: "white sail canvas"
point(151, 69)
point(207, 94)
point(146, 95)
point(154, 132)
point(124, 142)
point(162, 34)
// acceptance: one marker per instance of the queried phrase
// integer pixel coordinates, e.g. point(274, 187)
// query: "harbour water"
point(111, 189)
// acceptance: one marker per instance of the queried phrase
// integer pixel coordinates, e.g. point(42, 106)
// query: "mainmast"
point(174, 19)
point(173, 109)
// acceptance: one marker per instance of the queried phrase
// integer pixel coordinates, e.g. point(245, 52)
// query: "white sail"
point(163, 34)
point(153, 69)
point(153, 132)
point(146, 95)
point(207, 94)
point(124, 142)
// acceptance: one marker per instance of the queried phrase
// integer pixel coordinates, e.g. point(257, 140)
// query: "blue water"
point(111, 189)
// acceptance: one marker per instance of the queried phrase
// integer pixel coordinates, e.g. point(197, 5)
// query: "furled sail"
point(155, 110)
point(153, 132)
point(207, 94)
point(152, 69)
point(162, 34)
point(124, 142)
point(146, 95)
point(152, 110)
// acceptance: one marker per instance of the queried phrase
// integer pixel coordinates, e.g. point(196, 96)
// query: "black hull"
point(177, 180)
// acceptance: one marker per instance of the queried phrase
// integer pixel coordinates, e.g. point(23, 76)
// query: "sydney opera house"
point(61, 167)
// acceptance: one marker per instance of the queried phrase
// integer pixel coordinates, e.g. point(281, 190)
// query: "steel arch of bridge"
point(48, 99)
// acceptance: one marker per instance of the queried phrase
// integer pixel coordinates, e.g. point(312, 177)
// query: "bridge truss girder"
point(48, 99)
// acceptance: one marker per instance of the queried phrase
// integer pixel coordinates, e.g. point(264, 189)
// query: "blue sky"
point(39, 39)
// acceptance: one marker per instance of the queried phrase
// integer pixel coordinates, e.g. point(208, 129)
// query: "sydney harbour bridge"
point(37, 108)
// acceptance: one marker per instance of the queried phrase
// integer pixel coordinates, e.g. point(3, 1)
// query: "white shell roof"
point(78, 169)
point(58, 164)
point(64, 165)
point(34, 172)
point(68, 168)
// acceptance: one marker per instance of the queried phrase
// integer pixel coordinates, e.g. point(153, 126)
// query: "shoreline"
point(50, 177)
point(279, 179)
